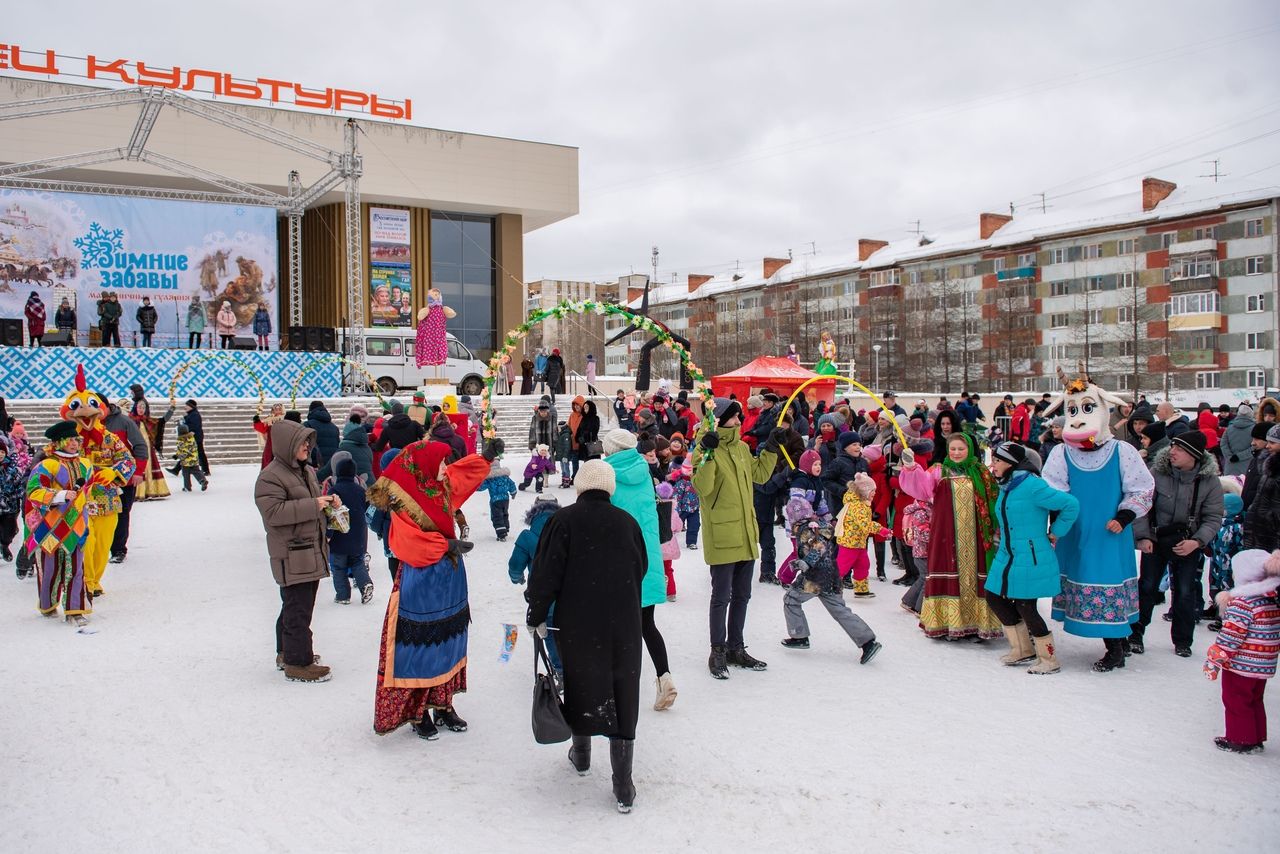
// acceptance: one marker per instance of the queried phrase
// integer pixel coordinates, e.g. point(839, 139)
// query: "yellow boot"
point(862, 589)
point(1046, 652)
point(1020, 649)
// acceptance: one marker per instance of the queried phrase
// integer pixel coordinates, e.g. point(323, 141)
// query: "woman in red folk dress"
point(422, 661)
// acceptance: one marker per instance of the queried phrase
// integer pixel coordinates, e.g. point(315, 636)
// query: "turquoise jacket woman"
point(1025, 566)
point(635, 494)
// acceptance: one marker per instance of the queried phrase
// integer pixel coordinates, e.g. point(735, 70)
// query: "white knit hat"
point(617, 440)
point(595, 474)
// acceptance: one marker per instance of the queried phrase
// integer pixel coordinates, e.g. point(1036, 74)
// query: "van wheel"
point(388, 386)
point(472, 386)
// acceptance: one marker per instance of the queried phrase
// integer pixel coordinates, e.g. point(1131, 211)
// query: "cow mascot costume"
point(113, 467)
point(1099, 597)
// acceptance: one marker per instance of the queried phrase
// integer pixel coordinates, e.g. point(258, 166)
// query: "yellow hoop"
point(173, 384)
point(893, 418)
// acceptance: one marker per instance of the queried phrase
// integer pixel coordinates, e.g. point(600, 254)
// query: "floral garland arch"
point(513, 337)
point(220, 356)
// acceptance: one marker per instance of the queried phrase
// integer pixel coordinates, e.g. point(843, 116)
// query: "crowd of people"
point(1103, 508)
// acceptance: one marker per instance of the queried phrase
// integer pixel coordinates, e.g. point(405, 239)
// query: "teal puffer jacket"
point(634, 493)
point(1025, 566)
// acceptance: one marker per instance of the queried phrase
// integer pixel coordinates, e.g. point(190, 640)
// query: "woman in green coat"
point(634, 494)
point(1025, 567)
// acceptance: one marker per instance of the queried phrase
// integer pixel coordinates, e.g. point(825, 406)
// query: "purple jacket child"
point(540, 467)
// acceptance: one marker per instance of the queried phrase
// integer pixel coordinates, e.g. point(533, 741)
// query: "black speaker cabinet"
point(297, 338)
point(57, 339)
point(10, 333)
point(328, 339)
point(244, 342)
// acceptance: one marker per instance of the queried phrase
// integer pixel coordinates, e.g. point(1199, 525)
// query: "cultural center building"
point(437, 208)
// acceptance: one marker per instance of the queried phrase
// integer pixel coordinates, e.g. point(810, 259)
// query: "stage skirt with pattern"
point(954, 603)
point(153, 483)
point(422, 662)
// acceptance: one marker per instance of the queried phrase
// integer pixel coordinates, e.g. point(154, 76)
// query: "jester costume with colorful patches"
point(59, 529)
point(422, 661)
point(113, 465)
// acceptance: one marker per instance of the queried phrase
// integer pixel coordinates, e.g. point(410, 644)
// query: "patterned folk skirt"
point(954, 603)
point(422, 661)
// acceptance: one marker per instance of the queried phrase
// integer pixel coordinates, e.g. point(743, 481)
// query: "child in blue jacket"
point(348, 558)
point(501, 489)
point(522, 559)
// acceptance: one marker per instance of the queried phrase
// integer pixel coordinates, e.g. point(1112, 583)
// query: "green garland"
point(559, 311)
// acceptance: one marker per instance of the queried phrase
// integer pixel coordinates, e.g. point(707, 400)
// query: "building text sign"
point(138, 73)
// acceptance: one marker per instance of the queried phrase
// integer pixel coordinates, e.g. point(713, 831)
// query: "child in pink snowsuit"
point(670, 546)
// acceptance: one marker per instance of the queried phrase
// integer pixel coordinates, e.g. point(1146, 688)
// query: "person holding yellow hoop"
point(723, 474)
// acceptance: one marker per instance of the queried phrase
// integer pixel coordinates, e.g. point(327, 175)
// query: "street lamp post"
point(875, 348)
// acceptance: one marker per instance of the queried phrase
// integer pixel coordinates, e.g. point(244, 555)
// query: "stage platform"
point(40, 373)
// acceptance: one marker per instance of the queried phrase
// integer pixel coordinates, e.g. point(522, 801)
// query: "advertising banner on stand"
point(389, 237)
point(84, 246)
point(391, 292)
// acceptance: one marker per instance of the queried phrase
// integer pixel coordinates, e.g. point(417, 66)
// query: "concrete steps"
point(229, 437)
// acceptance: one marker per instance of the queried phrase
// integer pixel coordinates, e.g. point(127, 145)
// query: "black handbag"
point(594, 450)
point(549, 725)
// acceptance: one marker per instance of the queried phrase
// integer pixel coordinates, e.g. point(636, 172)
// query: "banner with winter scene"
point(79, 247)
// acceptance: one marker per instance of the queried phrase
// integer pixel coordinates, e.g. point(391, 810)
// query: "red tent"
point(780, 375)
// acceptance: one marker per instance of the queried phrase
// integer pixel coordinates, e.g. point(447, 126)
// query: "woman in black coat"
point(590, 563)
point(555, 373)
point(588, 429)
point(1262, 519)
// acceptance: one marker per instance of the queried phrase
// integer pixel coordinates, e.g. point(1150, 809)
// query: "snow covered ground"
point(171, 729)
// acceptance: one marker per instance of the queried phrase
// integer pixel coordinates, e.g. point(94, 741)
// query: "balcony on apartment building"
point(1193, 272)
point(1016, 273)
point(1193, 247)
point(1193, 358)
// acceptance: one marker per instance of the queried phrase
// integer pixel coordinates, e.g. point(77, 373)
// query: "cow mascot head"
point(1087, 410)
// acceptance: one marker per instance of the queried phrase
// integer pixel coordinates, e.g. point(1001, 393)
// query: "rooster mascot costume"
point(113, 466)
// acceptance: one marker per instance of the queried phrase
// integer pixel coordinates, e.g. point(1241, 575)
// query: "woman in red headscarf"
point(423, 658)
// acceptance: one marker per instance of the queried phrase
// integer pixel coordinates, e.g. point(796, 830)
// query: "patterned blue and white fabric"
point(48, 372)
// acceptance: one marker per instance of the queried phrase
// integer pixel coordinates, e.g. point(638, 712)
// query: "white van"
point(389, 357)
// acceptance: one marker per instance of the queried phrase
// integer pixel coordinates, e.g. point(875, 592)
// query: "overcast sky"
point(725, 131)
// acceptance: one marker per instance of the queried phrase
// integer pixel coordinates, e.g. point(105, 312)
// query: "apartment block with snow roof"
point(1162, 289)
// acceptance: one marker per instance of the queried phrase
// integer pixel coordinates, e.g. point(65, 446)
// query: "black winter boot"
point(741, 658)
point(622, 752)
point(717, 664)
point(580, 754)
point(1114, 657)
point(768, 566)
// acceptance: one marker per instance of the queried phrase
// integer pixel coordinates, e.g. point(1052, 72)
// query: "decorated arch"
point(222, 356)
point(514, 336)
point(329, 360)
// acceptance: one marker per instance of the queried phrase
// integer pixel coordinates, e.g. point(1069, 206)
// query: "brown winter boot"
point(1046, 652)
point(311, 673)
point(1020, 649)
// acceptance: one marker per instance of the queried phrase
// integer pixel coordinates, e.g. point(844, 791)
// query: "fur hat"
point(617, 440)
point(359, 409)
point(1256, 573)
point(864, 486)
point(541, 449)
point(595, 474)
point(1193, 442)
point(807, 459)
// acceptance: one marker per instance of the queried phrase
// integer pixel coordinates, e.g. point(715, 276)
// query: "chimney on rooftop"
point(697, 280)
point(1155, 191)
point(866, 248)
point(773, 265)
point(990, 223)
